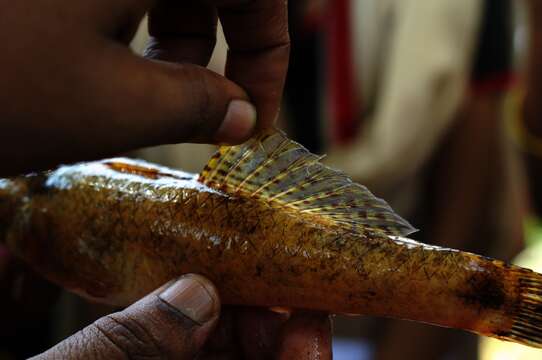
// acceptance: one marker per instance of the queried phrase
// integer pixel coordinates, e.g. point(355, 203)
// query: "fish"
point(271, 226)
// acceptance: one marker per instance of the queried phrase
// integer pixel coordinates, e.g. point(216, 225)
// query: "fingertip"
point(172, 103)
point(239, 123)
point(305, 336)
point(259, 332)
point(195, 297)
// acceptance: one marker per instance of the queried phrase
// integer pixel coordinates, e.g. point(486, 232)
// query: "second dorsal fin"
point(278, 170)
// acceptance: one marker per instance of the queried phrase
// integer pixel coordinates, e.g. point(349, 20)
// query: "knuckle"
point(128, 337)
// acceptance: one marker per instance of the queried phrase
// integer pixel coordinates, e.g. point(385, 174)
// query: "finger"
point(112, 101)
point(259, 47)
point(172, 325)
point(223, 343)
point(182, 31)
point(259, 331)
point(306, 336)
point(174, 102)
point(118, 20)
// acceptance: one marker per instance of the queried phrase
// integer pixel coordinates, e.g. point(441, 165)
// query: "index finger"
point(259, 49)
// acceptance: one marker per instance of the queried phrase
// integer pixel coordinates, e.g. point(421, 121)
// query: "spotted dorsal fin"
point(275, 169)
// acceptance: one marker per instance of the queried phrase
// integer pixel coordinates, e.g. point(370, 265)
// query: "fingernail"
point(162, 288)
point(193, 296)
point(238, 123)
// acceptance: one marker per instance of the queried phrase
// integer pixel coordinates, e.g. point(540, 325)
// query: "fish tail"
point(526, 312)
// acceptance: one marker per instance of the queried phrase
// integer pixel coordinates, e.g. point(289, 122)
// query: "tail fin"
point(527, 313)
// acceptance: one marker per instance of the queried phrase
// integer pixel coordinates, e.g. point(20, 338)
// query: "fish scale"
point(271, 226)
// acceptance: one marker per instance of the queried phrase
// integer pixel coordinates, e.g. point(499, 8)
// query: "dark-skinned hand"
point(72, 90)
point(175, 321)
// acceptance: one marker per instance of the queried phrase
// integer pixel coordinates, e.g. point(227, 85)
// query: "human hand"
point(72, 89)
point(177, 321)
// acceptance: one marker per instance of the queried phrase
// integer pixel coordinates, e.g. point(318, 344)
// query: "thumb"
point(112, 101)
point(172, 323)
point(168, 102)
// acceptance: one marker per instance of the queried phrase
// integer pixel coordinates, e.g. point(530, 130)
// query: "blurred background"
point(434, 105)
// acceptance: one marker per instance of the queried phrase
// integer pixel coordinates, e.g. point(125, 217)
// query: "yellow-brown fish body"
point(116, 229)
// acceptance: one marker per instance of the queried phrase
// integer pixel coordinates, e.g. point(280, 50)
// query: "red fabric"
point(497, 83)
point(340, 71)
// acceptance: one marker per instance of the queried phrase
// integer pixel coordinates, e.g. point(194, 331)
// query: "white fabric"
point(418, 73)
